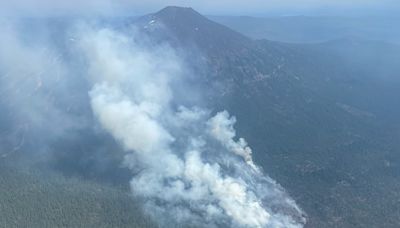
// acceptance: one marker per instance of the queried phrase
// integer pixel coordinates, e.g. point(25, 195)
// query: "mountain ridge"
point(295, 105)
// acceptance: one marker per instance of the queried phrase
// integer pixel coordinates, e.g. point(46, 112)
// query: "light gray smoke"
point(186, 163)
point(35, 85)
point(223, 130)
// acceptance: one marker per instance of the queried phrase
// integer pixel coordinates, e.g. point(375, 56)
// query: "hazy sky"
point(226, 7)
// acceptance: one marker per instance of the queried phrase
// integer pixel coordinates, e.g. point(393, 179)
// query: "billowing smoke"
point(222, 129)
point(186, 162)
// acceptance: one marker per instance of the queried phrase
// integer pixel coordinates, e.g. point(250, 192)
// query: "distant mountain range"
point(311, 29)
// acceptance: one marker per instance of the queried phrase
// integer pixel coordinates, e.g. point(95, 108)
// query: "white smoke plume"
point(221, 128)
point(186, 164)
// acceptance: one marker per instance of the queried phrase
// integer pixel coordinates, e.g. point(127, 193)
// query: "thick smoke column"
point(185, 163)
point(222, 129)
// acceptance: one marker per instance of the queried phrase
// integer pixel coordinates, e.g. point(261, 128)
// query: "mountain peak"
point(177, 10)
point(179, 14)
point(188, 26)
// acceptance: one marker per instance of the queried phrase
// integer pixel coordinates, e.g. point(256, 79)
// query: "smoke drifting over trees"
point(185, 164)
point(184, 172)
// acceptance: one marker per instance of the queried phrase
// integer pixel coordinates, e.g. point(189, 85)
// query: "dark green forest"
point(36, 198)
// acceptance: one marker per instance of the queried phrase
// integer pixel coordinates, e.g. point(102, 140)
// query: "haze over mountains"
point(309, 29)
point(322, 118)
